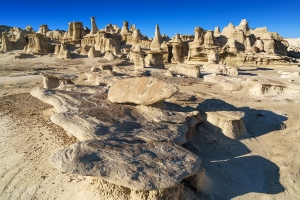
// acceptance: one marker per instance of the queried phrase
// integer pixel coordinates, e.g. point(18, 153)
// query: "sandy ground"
point(265, 165)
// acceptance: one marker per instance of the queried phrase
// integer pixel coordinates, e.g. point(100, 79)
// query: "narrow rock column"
point(248, 44)
point(93, 25)
point(70, 29)
point(7, 45)
point(77, 27)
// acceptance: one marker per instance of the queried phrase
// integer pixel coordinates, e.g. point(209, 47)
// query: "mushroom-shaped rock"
point(140, 166)
point(230, 123)
point(142, 90)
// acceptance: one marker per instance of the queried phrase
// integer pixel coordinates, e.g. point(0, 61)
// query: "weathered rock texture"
point(7, 45)
point(90, 116)
point(230, 123)
point(38, 44)
point(43, 29)
point(53, 80)
point(144, 90)
point(186, 70)
point(140, 167)
point(64, 53)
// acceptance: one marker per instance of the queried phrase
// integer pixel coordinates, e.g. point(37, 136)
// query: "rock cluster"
point(135, 146)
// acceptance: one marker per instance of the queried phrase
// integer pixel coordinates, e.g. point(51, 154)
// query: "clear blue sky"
point(172, 16)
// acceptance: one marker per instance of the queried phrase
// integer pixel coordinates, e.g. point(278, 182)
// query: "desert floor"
point(264, 165)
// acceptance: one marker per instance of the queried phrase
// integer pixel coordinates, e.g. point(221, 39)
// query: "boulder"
point(142, 90)
point(186, 70)
point(139, 166)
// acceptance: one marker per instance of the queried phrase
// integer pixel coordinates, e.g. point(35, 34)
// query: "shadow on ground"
point(232, 172)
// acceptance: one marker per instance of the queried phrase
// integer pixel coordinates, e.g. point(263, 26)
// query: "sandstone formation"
point(94, 28)
point(154, 56)
point(55, 35)
point(43, 29)
point(157, 40)
point(92, 53)
point(137, 127)
point(229, 123)
point(294, 47)
point(109, 56)
point(85, 121)
point(138, 57)
point(54, 80)
point(220, 69)
point(145, 91)
point(64, 53)
point(140, 167)
point(57, 49)
point(7, 45)
point(186, 70)
point(38, 44)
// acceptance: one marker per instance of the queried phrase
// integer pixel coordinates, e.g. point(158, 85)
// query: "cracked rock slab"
point(139, 166)
point(89, 116)
point(142, 90)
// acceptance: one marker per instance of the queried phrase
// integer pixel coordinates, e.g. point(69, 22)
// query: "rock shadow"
point(246, 73)
point(231, 171)
point(257, 122)
point(260, 122)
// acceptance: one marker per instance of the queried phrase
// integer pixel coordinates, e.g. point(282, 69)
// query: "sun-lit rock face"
point(144, 90)
point(38, 43)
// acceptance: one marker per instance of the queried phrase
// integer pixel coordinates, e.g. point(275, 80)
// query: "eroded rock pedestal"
point(135, 146)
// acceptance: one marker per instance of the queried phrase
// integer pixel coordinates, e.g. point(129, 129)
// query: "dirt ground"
point(264, 165)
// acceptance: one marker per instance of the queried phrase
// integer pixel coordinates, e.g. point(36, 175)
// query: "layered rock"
point(94, 117)
point(243, 46)
point(38, 44)
point(203, 47)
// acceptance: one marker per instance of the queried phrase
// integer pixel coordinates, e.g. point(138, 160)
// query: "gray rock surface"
point(142, 90)
point(142, 166)
point(90, 116)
